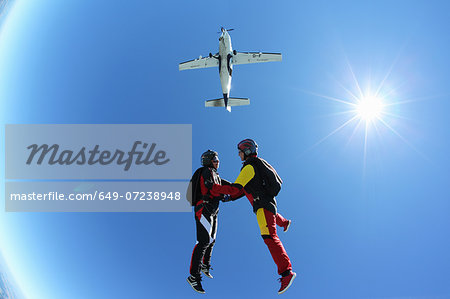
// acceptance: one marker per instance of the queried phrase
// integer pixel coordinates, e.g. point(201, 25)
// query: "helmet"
point(208, 157)
point(248, 147)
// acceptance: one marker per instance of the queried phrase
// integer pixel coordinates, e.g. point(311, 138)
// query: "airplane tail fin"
point(231, 102)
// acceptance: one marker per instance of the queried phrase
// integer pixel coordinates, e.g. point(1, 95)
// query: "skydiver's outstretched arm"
point(235, 190)
point(233, 196)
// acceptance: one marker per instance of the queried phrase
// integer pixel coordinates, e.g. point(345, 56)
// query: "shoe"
point(205, 269)
point(287, 226)
point(286, 282)
point(196, 284)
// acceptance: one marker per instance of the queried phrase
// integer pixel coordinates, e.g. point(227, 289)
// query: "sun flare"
point(369, 108)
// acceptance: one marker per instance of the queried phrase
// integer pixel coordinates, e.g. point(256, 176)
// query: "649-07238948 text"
point(99, 195)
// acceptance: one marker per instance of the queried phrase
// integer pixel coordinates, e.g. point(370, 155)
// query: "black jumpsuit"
point(206, 211)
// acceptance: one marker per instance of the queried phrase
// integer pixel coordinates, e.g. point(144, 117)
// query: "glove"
point(226, 198)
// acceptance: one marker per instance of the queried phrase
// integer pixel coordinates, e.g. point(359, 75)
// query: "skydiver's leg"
point(281, 221)
point(267, 225)
point(208, 252)
point(203, 225)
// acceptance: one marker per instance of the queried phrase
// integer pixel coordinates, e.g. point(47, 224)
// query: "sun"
point(369, 108)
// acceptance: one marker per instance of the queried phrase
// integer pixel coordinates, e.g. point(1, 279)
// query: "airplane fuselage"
point(225, 63)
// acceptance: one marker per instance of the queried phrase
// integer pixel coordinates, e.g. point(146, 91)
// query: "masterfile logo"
point(97, 168)
point(98, 151)
point(53, 155)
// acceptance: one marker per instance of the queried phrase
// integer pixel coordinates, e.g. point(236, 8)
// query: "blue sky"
point(370, 211)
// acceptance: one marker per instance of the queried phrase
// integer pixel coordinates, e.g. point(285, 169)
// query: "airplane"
point(225, 59)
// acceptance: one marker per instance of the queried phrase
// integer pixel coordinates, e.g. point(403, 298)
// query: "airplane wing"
point(255, 57)
point(199, 63)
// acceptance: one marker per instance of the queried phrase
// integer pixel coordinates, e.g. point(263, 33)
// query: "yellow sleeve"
point(247, 173)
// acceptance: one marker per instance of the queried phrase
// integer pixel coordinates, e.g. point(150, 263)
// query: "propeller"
point(224, 29)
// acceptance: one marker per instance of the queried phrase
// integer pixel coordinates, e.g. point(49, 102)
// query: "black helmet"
point(208, 157)
point(248, 147)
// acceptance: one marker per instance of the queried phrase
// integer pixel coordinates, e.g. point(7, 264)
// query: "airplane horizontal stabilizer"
point(231, 102)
